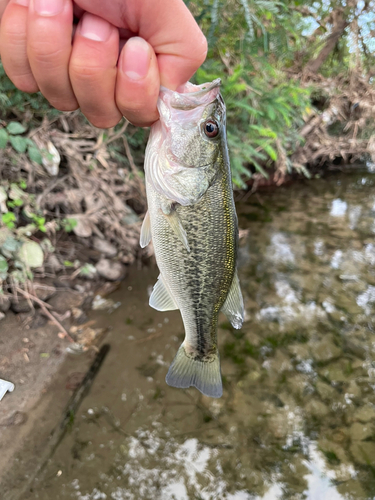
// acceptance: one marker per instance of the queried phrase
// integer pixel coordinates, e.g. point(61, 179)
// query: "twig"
point(151, 336)
point(132, 165)
point(118, 133)
point(46, 312)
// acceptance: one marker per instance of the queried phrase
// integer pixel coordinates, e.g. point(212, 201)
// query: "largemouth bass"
point(192, 222)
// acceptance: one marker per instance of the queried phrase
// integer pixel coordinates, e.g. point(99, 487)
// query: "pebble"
point(4, 303)
point(111, 270)
point(104, 247)
point(324, 351)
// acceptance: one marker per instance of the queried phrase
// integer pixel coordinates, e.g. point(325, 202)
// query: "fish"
point(192, 222)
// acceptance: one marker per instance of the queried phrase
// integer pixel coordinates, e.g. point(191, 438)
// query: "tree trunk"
point(339, 25)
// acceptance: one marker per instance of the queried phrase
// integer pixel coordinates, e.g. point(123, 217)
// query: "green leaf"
point(271, 112)
point(8, 219)
point(3, 268)
point(18, 143)
point(34, 154)
point(270, 151)
point(3, 138)
point(16, 128)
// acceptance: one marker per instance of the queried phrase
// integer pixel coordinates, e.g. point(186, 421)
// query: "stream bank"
point(297, 418)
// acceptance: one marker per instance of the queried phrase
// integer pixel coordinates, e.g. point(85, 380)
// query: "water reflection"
point(297, 419)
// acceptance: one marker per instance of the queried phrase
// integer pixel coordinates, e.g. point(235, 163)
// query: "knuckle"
point(80, 71)
point(46, 55)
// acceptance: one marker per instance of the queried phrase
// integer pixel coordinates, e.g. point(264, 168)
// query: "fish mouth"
point(190, 96)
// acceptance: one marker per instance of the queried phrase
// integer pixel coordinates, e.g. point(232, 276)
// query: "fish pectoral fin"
point(145, 237)
point(233, 307)
point(160, 298)
point(177, 227)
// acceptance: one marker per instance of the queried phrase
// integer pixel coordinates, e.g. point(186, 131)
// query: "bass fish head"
point(193, 124)
point(187, 143)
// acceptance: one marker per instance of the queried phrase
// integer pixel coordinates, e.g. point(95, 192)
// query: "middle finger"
point(49, 36)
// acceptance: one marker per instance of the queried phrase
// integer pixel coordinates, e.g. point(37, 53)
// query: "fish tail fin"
point(186, 371)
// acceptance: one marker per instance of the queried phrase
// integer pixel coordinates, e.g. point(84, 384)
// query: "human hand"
point(159, 40)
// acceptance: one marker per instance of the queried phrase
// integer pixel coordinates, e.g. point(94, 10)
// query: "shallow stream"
point(297, 419)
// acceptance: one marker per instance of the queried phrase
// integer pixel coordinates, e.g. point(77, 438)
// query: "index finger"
point(167, 25)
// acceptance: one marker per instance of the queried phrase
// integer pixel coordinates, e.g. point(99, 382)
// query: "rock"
point(324, 350)
point(43, 292)
point(364, 452)
point(101, 304)
point(38, 321)
point(104, 246)
point(53, 263)
point(298, 384)
point(65, 300)
point(74, 380)
point(2, 315)
point(300, 351)
point(316, 408)
point(86, 336)
point(280, 363)
point(21, 305)
point(325, 391)
point(328, 446)
point(365, 414)
point(79, 315)
point(335, 372)
point(16, 418)
point(31, 254)
point(354, 391)
point(107, 288)
point(131, 217)
point(360, 432)
point(88, 271)
point(82, 228)
point(111, 270)
point(354, 348)
point(4, 303)
point(279, 425)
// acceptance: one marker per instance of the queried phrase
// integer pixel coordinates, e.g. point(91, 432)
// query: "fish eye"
point(211, 128)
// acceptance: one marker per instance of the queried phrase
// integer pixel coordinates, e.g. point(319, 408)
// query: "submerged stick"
point(68, 416)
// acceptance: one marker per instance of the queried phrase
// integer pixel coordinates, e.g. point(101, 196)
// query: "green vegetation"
point(275, 59)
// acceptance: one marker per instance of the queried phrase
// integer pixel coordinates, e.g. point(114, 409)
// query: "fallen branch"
point(46, 312)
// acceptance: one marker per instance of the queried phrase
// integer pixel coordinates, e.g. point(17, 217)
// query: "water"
point(297, 419)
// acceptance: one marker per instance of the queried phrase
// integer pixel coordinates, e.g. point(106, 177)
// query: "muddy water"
point(297, 419)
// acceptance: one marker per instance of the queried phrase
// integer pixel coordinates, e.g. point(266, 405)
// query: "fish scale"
point(195, 235)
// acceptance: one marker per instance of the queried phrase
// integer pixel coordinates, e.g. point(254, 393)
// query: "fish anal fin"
point(233, 306)
point(160, 298)
point(145, 237)
point(177, 227)
point(186, 371)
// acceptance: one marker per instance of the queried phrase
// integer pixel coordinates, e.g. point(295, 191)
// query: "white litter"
point(5, 386)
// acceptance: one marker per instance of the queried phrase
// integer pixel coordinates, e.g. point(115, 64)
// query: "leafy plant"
point(12, 134)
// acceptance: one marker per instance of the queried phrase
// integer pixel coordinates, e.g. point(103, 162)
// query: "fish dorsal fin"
point(161, 299)
point(233, 307)
point(145, 237)
point(177, 227)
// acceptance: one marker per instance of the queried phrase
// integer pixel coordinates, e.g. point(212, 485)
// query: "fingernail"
point(95, 28)
point(135, 58)
point(24, 3)
point(48, 7)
